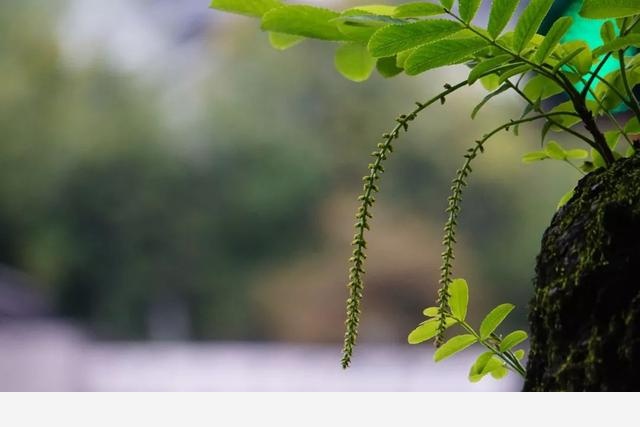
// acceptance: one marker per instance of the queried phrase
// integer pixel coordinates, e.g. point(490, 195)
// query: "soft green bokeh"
point(232, 206)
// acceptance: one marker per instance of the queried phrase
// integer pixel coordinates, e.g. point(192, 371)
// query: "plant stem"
point(513, 364)
point(553, 122)
point(635, 107)
point(612, 118)
point(453, 209)
point(579, 103)
point(367, 199)
point(589, 82)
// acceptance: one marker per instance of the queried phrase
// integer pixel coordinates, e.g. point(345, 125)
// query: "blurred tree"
point(214, 229)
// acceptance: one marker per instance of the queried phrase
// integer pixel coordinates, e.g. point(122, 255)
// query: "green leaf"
point(387, 67)
point(490, 82)
point(283, 41)
point(453, 346)
point(302, 20)
point(392, 39)
point(401, 57)
point(485, 363)
point(512, 340)
point(354, 62)
point(577, 153)
point(358, 25)
point(604, 9)
point(540, 87)
point(568, 120)
point(499, 373)
point(564, 199)
point(534, 156)
point(608, 32)
point(484, 67)
point(519, 354)
point(479, 365)
point(376, 9)
point(487, 98)
point(598, 160)
point(567, 57)
point(447, 4)
point(412, 10)
point(430, 311)
point(493, 319)
point(612, 137)
point(529, 22)
point(608, 98)
point(246, 7)
point(468, 9)
point(583, 61)
point(553, 37)
point(459, 298)
point(555, 151)
point(513, 71)
point(501, 13)
point(632, 126)
point(443, 52)
point(630, 152)
point(427, 330)
point(618, 44)
point(544, 131)
point(423, 332)
point(587, 167)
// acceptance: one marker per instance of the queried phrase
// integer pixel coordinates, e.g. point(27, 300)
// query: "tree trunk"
point(585, 314)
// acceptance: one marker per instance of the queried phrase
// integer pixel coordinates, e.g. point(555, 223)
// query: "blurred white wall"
point(55, 356)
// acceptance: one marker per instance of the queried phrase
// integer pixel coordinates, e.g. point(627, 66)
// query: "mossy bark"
point(585, 314)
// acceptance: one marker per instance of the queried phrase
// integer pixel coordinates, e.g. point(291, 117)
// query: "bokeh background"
point(177, 200)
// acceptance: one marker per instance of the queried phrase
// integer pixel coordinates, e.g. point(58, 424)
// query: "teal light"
point(589, 31)
point(582, 29)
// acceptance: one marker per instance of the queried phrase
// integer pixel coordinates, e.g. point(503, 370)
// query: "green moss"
point(585, 326)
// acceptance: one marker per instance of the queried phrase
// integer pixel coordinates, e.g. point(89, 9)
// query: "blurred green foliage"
point(120, 213)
